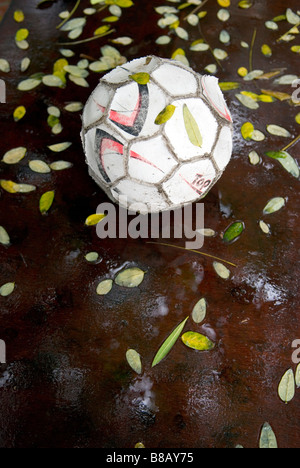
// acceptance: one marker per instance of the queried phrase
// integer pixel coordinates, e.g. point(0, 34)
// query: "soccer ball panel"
point(130, 193)
point(213, 93)
point(121, 74)
point(106, 154)
point(223, 150)
point(96, 105)
point(176, 80)
point(150, 161)
point(177, 133)
point(131, 112)
point(190, 182)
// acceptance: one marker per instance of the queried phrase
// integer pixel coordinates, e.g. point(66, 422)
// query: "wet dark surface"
point(66, 382)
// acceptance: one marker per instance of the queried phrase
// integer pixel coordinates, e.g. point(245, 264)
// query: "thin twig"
point(70, 15)
point(251, 50)
point(83, 41)
point(194, 251)
point(292, 143)
point(287, 33)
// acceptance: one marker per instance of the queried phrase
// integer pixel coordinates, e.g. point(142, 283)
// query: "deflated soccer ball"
point(156, 135)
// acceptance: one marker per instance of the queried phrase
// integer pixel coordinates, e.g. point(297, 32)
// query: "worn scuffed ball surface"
point(156, 135)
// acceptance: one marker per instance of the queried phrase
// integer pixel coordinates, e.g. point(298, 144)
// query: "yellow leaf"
point(251, 95)
point(276, 94)
point(178, 52)
point(165, 115)
point(265, 98)
point(197, 341)
point(59, 65)
point(229, 85)
point(242, 71)
point(101, 30)
point(266, 50)
point(224, 3)
point(247, 130)
point(297, 118)
point(140, 78)
point(22, 34)
point(46, 201)
point(9, 186)
point(19, 16)
point(296, 49)
point(19, 113)
point(94, 219)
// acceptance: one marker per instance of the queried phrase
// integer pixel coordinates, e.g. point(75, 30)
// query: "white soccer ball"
point(156, 135)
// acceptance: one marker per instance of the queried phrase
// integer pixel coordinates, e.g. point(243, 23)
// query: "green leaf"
point(234, 231)
point(286, 388)
point(140, 78)
point(169, 343)
point(286, 160)
point(134, 360)
point(197, 341)
point(192, 128)
point(130, 278)
point(165, 115)
point(46, 201)
point(267, 438)
point(275, 204)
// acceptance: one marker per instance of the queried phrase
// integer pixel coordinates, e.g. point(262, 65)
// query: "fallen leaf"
point(197, 341)
point(140, 78)
point(169, 343)
point(278, 131)
point(192, 127)
point(134, 360)
point(286, 160)
point(7, 289)
point(59, 147)
point(267, 438)
point(4, 237)
point(199, 311)
point(234, 231)
point(130, 278)
point(247, 130)
point(19, 113)
point(39, 166)
point(286, 388)
point(221, 270)
point(15, 155)
point(94, 219)
point(104, 287)
point(46, 201)
point(275, 204)
point(165, 115)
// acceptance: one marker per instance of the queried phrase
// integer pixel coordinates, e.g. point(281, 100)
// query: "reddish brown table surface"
point(66, 382)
